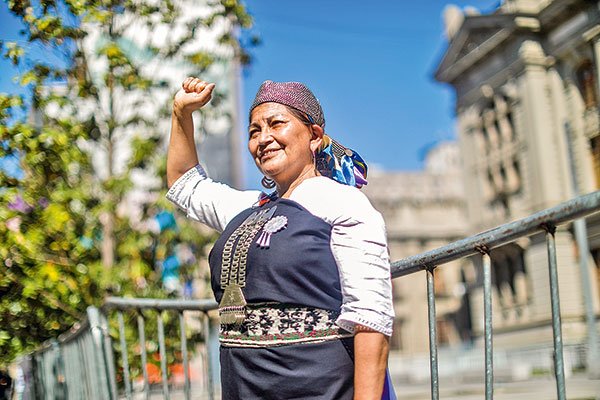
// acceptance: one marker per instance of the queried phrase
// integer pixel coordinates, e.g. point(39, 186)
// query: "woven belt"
point(271, 325)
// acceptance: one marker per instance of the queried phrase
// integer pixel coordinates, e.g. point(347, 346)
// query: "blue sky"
point(370, 64)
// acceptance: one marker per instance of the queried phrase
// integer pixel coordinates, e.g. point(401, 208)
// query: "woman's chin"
point(270, 170)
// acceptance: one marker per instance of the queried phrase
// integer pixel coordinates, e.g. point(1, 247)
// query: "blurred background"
point(470, 115)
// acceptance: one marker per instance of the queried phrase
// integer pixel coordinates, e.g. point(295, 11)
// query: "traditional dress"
point(307, 268)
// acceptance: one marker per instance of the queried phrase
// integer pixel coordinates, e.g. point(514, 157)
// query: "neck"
point(285, 189)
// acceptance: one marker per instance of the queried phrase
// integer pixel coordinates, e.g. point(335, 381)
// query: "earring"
point(268, 183)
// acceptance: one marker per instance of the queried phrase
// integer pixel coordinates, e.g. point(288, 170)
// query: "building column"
point(473, 149)
point(540, 132)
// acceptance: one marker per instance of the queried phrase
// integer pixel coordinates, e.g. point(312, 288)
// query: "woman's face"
point(280, 143)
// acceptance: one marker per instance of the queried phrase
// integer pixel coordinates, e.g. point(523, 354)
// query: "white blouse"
point(358, 237)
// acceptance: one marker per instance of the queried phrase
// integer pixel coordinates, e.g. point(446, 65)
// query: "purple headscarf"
point(293, 94)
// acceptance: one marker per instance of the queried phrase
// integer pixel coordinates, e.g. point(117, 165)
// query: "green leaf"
point(78, 151)
point(13, 52)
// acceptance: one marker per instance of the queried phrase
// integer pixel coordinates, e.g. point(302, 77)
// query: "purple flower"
point(18, 204)
point(43, 202)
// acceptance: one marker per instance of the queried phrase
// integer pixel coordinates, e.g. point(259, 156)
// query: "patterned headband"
point(293, 94)
point(333, 160)
point(340, 163)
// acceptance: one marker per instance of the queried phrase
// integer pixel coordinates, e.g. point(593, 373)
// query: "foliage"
point(77, 221)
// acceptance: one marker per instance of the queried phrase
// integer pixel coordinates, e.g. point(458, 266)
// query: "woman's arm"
point(181, 154)
point(370, 362)
point(201, 198)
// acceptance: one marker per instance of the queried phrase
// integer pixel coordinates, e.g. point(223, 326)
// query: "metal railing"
point(138, 306)
point(482, 243)
point(73, 366)
point(81, 363)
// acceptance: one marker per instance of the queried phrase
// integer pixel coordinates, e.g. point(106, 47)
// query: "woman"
point(302, 275)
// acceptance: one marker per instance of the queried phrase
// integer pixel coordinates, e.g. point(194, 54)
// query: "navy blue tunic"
point(297, 269)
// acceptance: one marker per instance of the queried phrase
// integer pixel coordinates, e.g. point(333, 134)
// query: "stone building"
point(424, 210)
point(526, 80)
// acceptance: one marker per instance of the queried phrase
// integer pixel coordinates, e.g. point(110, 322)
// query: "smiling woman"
point(302, 274)
point(282, 146)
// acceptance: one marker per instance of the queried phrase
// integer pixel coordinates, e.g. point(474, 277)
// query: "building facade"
point(526, 80)
point(424, 210)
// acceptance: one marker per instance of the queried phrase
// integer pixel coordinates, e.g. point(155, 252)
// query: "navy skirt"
point(322, 371)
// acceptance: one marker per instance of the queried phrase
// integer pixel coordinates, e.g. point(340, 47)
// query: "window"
point(595, 149)
point(444, 333)
point(510, 277)
point(596, 256)
point(396, 340)
point(586, 79)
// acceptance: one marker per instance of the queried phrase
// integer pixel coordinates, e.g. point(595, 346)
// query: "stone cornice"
point(501, 28)
point(456, 61)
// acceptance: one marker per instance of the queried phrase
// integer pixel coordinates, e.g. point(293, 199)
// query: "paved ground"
point(577, 388)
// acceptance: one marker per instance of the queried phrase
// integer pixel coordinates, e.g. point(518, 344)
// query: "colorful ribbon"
point(340, 163)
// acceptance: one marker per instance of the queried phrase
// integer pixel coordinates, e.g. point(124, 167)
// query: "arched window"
point(586, 79)
point(595, 150)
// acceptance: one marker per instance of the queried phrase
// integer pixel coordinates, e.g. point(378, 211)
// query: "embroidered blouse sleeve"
point(207, 201)
point(359, 245)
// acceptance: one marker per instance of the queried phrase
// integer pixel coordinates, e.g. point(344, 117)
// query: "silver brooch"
point(272, 226)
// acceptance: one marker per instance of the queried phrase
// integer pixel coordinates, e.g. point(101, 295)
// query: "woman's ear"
point(317, 136)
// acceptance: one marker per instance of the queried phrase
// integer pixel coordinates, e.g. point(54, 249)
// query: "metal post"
point(108, 356)
point(40, 382)
point(186, 372)
point(60, 383)
point(124, 355)
point(559, 370)
point(209, 366)
point(593, 353)
point(163, 356)
point(580, 228)
point(99, 334)
point(142, 336)
point(85, 390)
point(433, 355)
point(487, 312)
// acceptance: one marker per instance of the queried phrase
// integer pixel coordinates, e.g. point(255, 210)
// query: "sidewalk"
point(577, 388)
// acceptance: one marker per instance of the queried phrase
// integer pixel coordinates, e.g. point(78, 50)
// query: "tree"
point(78, 217)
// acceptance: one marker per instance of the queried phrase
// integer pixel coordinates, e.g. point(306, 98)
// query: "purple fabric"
point(293, 94)
point(388, 388)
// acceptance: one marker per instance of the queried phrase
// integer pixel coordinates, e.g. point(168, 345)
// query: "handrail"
point(125, 303)
point(564, 212)
point(99, 360)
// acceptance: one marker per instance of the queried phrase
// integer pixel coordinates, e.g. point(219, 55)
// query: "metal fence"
point(82, 363)
point(85, 363)
point(160, 307)
point(74, 366)
point(544, 221)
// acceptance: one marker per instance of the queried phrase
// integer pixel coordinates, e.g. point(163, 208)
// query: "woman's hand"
point(193, 95)
point(181, 155)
